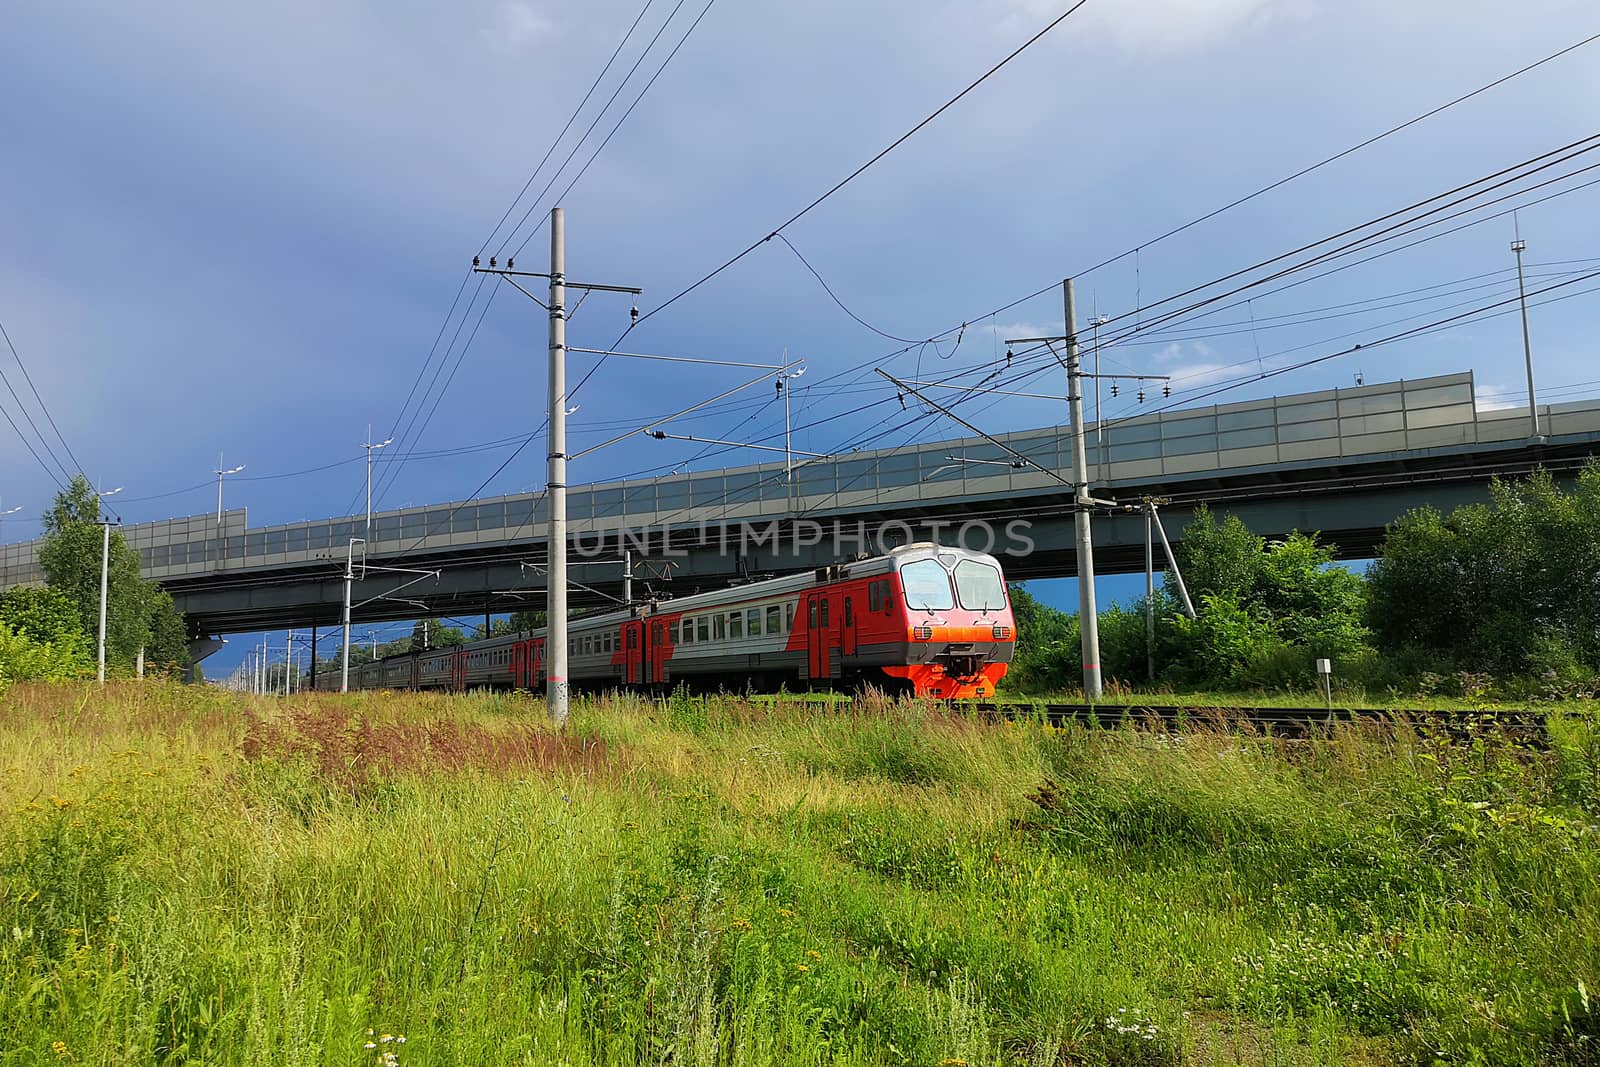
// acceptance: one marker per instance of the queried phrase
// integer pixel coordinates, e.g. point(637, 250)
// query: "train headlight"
point(1002, 633)
point(922, 633)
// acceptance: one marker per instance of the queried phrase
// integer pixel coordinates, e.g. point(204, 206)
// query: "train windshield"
point(979, 586)
point(927, 586)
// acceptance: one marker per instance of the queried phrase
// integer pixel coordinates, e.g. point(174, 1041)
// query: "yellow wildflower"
point(739, 924)
point(813, 954)
point(58, 1047)
point(802, 968)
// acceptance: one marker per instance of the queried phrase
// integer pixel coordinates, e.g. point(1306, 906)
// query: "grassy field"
point(193, 876)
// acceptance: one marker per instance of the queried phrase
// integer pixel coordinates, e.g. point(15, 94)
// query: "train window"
point(633, 638)
point(688, 631)
point(736, 625)
point(719, 627)
point(979, 586)
point(874, 596)
point(927, 586)
point(848, 617)
point(790, 623)
point(753, 619)
point(811, 615)
point(824, 613)
point(702, 628)
point(775, 619)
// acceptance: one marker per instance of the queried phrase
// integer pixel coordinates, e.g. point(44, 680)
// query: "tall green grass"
point(188, 876)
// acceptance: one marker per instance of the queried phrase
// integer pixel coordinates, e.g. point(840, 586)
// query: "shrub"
point(22, 658)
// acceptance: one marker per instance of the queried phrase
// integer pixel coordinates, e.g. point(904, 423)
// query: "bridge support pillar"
point(199, 649)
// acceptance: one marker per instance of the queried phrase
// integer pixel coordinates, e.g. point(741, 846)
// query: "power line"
point(1544, 160)
point(596, 153)
point(1261, 191)
point(570, 120)
point(388, 461)
point(835, 298)
point(847, 179)
point(401, 438)
point(392, 470)
point(32, 451)
point(43, 443)
point(40, 400)
point(1416, 331)
point(626, 78)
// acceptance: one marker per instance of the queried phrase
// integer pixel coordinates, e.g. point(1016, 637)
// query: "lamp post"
point(221, 474)
point(371, 448)
point(1518, 246)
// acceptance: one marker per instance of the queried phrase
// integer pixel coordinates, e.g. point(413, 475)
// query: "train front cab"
point(934, 622)
point(954, 619)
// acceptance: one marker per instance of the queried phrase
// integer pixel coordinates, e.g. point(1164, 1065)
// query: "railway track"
point(1278, 721)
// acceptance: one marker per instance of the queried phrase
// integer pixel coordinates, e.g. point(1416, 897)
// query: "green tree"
point(1512, 586)
point(1217, 558)
point(1047, 649)
point(70, 555)
point(168, 649)
point(42, 613)
point(526, 620)
point(431, 633)
point(1265, 610)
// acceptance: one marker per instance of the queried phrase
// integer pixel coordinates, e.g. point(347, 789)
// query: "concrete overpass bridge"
point(1344, 461)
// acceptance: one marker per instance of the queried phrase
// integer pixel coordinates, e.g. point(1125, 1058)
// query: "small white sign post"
point(1325, 675)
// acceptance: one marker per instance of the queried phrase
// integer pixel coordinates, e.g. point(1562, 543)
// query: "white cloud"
point(516, 24)
point(1170, 25)
point(1498, 398)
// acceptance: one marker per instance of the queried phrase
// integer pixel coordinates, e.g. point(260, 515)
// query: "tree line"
point(1504, 595)
point(52, 631)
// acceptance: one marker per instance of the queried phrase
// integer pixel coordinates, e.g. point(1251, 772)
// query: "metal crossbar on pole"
point(677, 359)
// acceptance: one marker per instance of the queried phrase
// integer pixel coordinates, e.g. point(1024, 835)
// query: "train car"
point(923, 619)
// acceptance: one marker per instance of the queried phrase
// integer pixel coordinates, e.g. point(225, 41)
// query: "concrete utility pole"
point(288, 658)
point(105, 569)
point(1149, 595)
point(349, 577)
point(1518, 246)
point(371, 448)
point(556, 694)
point(627, 577)
point(1088, 619)
point(556, 682)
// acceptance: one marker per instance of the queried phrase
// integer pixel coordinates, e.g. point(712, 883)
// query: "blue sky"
point(238, 229)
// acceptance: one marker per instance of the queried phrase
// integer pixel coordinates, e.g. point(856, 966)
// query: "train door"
point(819, 633)
point(519, 665)
point(458, 671)
point(632, 653)
point(658, 654)
point(535, 662)
point(847, 628)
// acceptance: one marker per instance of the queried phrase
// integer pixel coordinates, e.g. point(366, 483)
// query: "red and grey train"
point(923, 619)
